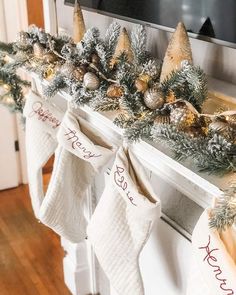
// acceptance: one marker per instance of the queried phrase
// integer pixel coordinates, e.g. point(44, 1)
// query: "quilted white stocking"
point(122, 222)
point(42, 123)
point(82, 152)
point(214, 260)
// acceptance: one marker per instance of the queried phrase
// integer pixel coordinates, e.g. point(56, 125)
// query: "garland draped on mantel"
point(156, 101)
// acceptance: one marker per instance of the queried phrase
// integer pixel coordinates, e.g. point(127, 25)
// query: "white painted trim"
point(50, 16)
point(3, 31)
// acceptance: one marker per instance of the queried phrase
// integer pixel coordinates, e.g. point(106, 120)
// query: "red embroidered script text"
point(212, 262)
point(77, 144)
point(44, 115)
point(122, 183)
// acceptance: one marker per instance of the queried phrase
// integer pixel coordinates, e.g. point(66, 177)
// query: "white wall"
point(216, 60)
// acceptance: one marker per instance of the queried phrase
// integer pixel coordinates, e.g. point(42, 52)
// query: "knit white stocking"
point(214, 260)
point(122, 222)
point(42, 122)
point(81, 153)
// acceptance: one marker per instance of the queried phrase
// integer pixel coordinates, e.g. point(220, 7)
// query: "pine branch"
point(188, 83)
point(140, 129)
point(58, 83)
point(110, 40)
point(105, 104)
point(223, 215)
point(124, 121)
point(138, 43)
point(210, 155)
point(6, 47)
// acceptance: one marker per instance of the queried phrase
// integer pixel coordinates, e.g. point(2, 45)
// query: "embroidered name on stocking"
point(77, 144)
point(211, 260)
point(121, 182)
point(44, 114)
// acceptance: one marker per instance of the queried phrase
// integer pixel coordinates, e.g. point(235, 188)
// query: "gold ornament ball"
point(95, 58)
point(114, 91)
point(141, 85)
point(79, 73)
point(49, 57)
point(38, 50)
point(182, 117)
point(153, 99)
point(67, 69)
point(91, 81)
point(145, 77)
point(49, 73)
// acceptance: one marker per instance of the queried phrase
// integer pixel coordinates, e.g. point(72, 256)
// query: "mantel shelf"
point(200, 187)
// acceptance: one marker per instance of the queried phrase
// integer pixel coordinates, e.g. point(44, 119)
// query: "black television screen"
point(214, 19)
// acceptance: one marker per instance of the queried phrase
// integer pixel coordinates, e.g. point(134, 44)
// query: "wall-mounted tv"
point(211, 20)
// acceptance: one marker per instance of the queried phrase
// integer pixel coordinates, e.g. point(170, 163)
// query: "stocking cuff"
point(81, 139)
point(216, 266)
point(43, 113)
point(130, 180)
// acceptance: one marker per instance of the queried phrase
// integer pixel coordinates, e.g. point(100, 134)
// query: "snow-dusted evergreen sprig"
point(223, 215)
point(138, 43)
point(188, 83)
point(110, 39)
point(210, 154)
point(140, 129)
point(87, 45)
point(105, 48)
point(152, 68)
point(13, 99)
point(56, 84)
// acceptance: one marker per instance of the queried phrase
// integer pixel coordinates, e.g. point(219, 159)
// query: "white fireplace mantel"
point(80, 267)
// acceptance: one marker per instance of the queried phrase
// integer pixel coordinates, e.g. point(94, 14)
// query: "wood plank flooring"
point(30, 254)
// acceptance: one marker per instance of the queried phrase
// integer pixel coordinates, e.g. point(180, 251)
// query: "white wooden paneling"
point(12, 19)
point(8, 157)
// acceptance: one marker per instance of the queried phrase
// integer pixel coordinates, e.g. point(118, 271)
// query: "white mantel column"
point(50, 16)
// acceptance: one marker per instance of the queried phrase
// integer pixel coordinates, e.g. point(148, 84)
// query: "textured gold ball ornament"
point(79, 73)
point(91, 81)
point(95, 58)
point(38, 50)
point(144, 77)
point(67, 69)
point(49, 73)
point(153, 99)
point(49, 57)
point(141, 85)
point(182, 117)
point(114, 91)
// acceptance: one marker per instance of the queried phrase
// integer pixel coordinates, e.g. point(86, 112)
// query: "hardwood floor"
point(30, 254)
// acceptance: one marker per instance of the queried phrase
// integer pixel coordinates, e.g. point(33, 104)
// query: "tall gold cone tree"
point(123, 46)
point(179, 49)
point(78, 23)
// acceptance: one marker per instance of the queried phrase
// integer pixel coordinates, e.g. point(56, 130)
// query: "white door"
point(10, 23)
point(8, 156)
